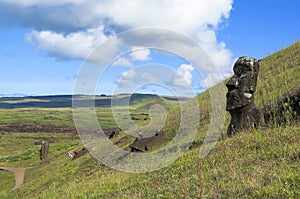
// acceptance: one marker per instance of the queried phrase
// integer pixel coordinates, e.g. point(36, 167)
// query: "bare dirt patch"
point(19, 174)
point(26, 128)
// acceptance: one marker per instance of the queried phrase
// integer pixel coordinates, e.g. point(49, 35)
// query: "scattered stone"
point(240, 96)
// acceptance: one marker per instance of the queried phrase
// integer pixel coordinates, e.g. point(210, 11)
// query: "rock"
point(240, 96)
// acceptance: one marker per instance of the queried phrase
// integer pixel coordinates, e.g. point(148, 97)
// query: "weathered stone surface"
point(80, 153)
point(240, 96)
point(145, 144)
point(44, 153)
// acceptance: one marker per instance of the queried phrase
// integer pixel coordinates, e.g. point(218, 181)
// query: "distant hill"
point(63, 101)
point(13, 95)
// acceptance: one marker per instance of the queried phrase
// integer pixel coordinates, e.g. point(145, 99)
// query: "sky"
point(45, 45)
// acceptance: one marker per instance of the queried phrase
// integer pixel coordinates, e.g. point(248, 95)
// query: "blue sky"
point(43, 44)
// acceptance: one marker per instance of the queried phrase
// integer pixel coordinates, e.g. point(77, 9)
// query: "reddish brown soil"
point(48, 128)
point(19, 127)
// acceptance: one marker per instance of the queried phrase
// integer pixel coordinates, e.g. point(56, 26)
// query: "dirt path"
point(19, 174)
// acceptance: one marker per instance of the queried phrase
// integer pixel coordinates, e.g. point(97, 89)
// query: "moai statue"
point(240, 96)
point(44, 153)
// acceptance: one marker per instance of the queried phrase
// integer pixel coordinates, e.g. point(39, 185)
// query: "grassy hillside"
point(261, 163)
point(279, 73)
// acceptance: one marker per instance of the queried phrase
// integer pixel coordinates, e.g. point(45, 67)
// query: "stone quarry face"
point(240, 95)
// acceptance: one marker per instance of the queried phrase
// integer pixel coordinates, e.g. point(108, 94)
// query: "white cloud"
point(136, 77)
point(126, 78)
point(122, 61)
point(184, 76)
point(143, 75)
point(140, 54)
point(73, 45)
point(180, 15)
point(137, 54)
point(70, 29)
point(217, 52)
point(29, 3)
point(129, 74)
point(147, 77)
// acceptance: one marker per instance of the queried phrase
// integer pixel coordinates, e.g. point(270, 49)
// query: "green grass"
point(19, 149)
point(7, 182)
point(54, 116)
point(260, 163)
point(256, 164)
point(279, 73)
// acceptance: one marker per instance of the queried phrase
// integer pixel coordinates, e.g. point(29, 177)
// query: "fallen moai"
point(73, 154)
point(145, 144)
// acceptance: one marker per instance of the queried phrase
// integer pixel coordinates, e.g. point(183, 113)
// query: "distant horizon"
point(66, 94)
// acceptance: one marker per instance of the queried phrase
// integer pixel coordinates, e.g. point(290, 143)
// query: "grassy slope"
point(279, 73)
point(260, 163)
point(256, 164)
